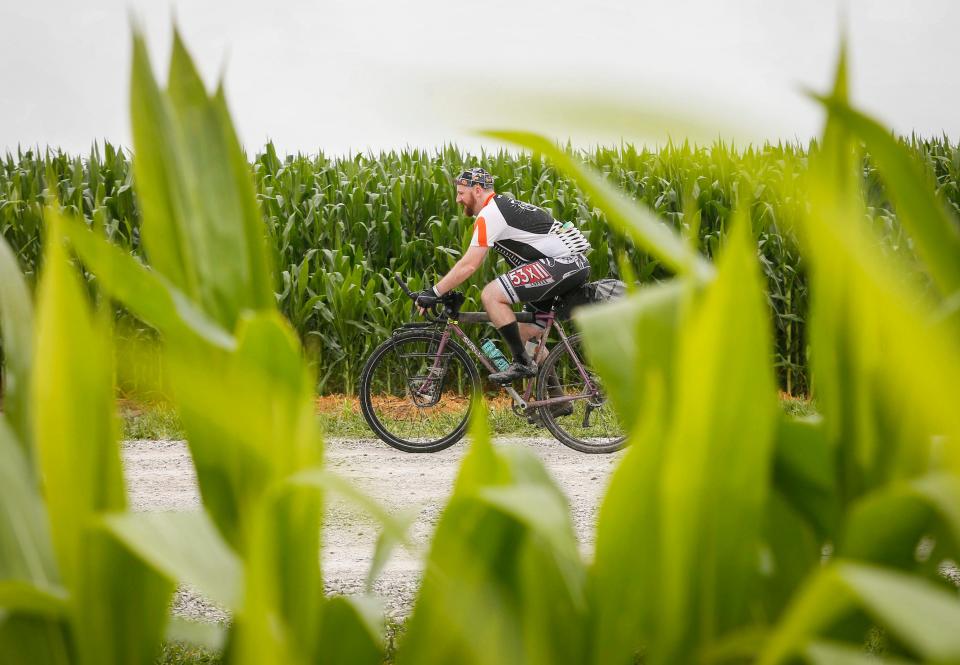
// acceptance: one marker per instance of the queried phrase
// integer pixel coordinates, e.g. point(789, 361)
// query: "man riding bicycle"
point(546, 258)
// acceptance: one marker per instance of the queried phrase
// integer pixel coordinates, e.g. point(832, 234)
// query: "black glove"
point(427, 298)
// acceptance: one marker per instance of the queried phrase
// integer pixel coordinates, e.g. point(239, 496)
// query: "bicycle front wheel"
point(417, 399)
point(593, 426)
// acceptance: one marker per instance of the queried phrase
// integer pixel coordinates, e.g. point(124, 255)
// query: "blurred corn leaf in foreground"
point(237, 372)
point(884, 368)
point(504, 582)
point(196, 192)
point(676, 540)
point(16, 332)
point(70, 592)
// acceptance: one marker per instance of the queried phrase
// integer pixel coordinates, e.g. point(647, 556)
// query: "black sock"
point(511, 334)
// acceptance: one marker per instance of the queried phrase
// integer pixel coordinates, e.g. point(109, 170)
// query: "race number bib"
point(533, 273)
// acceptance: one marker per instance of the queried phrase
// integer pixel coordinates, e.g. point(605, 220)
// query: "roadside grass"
point(177, 653)
point(151, 421)
point(797, 406)
point(340, 418)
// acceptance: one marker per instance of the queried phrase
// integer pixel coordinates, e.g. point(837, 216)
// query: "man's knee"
point(492, 294)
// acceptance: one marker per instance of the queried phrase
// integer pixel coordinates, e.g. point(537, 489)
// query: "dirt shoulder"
point(160, 477)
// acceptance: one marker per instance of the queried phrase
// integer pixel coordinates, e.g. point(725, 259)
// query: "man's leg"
point(497, 304)
point(537, 284)
point(530, 332)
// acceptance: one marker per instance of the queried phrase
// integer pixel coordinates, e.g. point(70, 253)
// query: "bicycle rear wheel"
point(414, 399)
point(593, 427)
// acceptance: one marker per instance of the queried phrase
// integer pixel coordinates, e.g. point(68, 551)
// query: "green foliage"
point(16, 323)
point(179, 653)
point(158, 422)
point(731, 531)
point(195, 191)
point(66, 584)
point(711, 535)
point(678, 599)
point(504, 582)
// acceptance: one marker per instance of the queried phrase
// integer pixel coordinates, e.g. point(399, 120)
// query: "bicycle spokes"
point(419, 390)
point(587, 421)
point(425, 372)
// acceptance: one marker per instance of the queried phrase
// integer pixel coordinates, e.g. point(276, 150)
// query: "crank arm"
point(515, 396)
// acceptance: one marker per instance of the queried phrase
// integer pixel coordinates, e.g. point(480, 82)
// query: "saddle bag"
point(603, 290)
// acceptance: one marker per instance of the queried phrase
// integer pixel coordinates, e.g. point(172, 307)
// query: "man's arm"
point(466, 266)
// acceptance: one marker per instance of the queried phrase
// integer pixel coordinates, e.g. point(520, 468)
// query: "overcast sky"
point(338, 75)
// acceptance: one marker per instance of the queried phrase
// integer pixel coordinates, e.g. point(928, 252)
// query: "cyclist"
point(546, 258)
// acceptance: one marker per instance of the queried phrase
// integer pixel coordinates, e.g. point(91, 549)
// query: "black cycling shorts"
point(539, 282)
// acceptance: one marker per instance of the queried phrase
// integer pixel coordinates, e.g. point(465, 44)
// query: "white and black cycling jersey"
point(522, 232)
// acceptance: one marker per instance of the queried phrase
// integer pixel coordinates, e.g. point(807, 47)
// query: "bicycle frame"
point(549, 321)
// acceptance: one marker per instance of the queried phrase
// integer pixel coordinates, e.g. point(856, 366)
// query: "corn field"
point(340, 228)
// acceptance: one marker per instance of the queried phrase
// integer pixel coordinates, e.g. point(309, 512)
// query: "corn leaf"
point(24, 597)
point(237, 408)
point(885, 527)
point(503, 580)
point(197, 196)
point(110, 590)
point(725, 418)
point(935, 231)
point(74, 420)
point(872, 334)
point(632, 344)
point(186, 548)
point(122, 603)
point(143, 291)
point(16, 328)
point(792, 548)
point(624, 579)
point(284, 590)
point(209, 636)
point(26, 553)
point(26, 639)
point(351, 632)
point(831, 653)
point(704, 525)
point(805, 472)
point(922, 616)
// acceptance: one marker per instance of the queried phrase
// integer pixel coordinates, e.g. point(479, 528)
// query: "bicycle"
point(418, 387)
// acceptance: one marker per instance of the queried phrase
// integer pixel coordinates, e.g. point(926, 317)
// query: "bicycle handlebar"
point(406, 289)
point(431, 314)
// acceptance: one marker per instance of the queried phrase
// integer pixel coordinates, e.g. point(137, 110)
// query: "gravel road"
point(160, 477)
